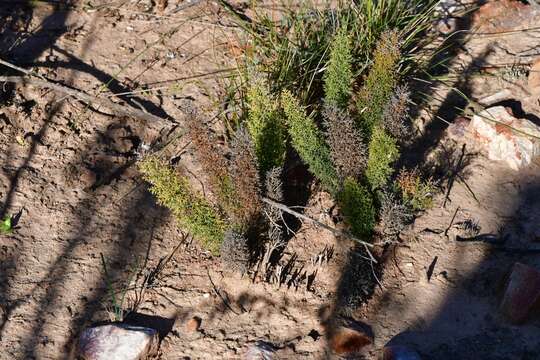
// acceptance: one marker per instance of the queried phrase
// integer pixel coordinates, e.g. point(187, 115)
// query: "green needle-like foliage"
point(357, 206)
point(383, 151)
point(266, 128)
point(309, 142)
point(192, 211)
point(338, 76)
point(379, 83)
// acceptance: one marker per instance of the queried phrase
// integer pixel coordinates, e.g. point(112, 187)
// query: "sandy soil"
point(69, 171)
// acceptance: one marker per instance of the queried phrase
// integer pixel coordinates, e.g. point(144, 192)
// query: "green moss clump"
point(379, 83)
point(383, 151)
point(338, 76)
point(191, 210)
point(357, 205)
point(309, 142)
point(265, 127)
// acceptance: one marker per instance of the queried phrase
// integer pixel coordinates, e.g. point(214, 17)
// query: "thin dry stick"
point(84, 97)
point(320, 224)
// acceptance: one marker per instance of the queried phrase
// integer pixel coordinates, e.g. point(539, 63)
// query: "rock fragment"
point(522, 293)
point(193, 324)
point(533, 81)
point(506, 138)
point(118, 342)
point(349, 337)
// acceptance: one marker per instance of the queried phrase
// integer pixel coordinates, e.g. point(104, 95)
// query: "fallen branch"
point(82, 96)
point(320, 224)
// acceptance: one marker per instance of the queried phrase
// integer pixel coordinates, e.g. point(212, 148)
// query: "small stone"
point(193, 324)
point(399, 352)
point(118, 342)
point(516, 141)
point(533, 81)
point(521, 294)
point(261, 350)
point(350, 337)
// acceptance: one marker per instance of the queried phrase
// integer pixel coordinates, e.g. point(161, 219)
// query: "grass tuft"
point(416, 192)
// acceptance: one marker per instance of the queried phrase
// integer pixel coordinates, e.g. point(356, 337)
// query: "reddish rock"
point(118, 342)
point(349, 337)
point(500, 15)
point(522, 293)
point(193, 324)
point(398, 352)
point(506, 138)
point(534, 78)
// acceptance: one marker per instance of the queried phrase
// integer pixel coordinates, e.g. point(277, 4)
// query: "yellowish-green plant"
point(338, 76)
point(383, 151)
point(309, 142)
point(380, 82)
point(357, 206)
point(415, 191)
point(265, 125)
point(193, 212)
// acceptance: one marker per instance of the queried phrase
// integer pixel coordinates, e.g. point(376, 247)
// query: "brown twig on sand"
point(82, 96)
point(320, 224)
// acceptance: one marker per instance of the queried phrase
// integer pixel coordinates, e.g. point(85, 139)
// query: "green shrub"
point(265, 126)
point(380, 82)
point(357, 206)
point(416, 192)
point(191, 210)
point(309, 142)
point(383, 151)
point(338, 77)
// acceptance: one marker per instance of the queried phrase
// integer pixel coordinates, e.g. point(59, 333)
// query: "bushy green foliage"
point(383, 151)
point(416, 192)
point(380, 82)
point(265, 126)
point(357, 205)
point(191, 210)
point(309, 142)
point(338, 77)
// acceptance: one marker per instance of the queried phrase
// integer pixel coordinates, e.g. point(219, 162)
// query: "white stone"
point(117, 342)
point(506, 138)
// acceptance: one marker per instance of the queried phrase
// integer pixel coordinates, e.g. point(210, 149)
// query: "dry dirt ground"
point(68, 171)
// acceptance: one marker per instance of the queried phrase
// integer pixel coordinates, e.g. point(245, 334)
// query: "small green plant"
point(117, 303)
point(383, 151)
point(416, 192)
point(309, 142)
point(379, 83)
point(338, 77)
point(193, 212)
point(6, 225)
point(357, 205)
point(266, 128)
